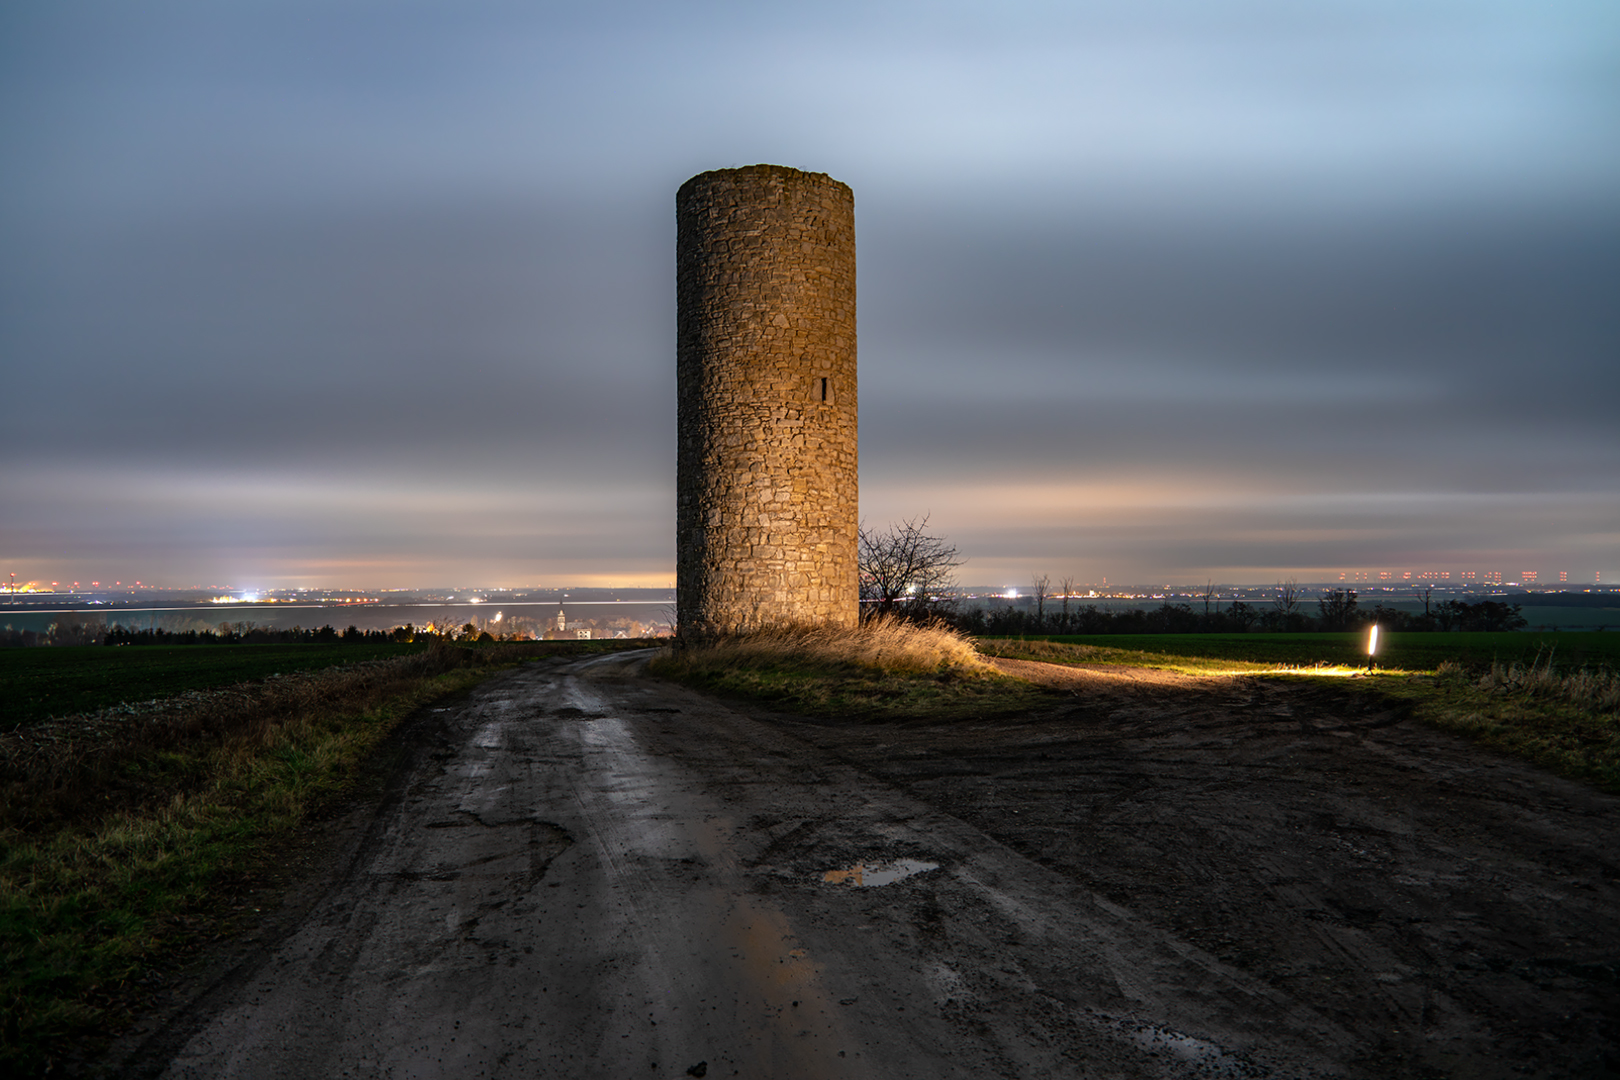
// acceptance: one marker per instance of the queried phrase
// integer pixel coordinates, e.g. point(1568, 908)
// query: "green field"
point(39, 683)
point(1408, 652)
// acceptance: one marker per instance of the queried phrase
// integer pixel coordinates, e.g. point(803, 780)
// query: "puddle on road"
point(1207, 1057)
point(887, 873)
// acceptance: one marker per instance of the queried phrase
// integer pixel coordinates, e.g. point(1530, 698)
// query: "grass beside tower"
point(884, 669)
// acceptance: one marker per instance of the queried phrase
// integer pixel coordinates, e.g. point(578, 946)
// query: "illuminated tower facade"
point(766, 483)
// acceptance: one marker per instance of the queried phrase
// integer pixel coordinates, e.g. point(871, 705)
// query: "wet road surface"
point(597, 874)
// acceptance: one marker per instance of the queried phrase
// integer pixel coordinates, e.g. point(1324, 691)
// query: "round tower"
point(766, 484)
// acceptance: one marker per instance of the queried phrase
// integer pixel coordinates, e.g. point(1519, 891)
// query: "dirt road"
point(594, 874)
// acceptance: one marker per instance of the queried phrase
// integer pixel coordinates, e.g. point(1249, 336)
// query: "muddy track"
point(592, 873)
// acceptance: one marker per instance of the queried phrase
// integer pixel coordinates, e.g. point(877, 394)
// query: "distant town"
point(605, 613)
point(522, 614)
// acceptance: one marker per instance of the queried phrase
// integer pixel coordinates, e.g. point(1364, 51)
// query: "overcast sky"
point(381, 294)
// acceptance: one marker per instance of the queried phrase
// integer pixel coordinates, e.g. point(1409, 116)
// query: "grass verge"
point(1563, 717)
point(1502, 690)
point(881, 670)
point(117, 830)
point(1567, 722)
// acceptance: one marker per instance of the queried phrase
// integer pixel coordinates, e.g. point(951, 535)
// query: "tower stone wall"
point(766, 480)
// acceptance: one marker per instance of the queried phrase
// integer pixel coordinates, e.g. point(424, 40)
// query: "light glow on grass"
point(1187, 666)
point(1332, 671)
point(1199, 667)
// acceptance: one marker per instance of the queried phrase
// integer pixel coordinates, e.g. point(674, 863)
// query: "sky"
point(381, 294)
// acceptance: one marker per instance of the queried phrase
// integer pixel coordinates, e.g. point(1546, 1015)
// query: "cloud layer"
point(382, 295)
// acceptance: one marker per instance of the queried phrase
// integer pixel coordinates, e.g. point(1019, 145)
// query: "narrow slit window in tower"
point(823, 389)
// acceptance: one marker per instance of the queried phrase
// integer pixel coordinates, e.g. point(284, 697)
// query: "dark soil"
point(1456, 910)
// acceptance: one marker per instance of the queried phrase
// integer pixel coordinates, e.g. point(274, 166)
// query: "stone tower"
point(766, 507)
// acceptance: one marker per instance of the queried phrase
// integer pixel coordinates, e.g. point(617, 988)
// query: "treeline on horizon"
point(1337, 611)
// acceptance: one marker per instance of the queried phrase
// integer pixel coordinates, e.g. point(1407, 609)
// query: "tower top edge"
point(761, 171)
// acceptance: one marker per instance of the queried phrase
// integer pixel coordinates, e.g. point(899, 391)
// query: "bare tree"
point(1209, 595)
point(1338, 608)
point(903, 566)
point(1043, 585)
point(1067, 585)
point(1287, 597)
point(1242, 614)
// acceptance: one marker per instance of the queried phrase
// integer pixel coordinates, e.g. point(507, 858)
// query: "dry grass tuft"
point(1597, 690)
point(883, 644)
